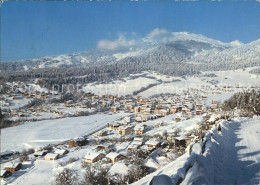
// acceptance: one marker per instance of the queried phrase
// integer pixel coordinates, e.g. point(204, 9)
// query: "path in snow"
point(233, 157)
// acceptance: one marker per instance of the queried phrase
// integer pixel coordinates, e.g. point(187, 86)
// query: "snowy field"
point(232, 157)
point(172, 84)
point(41, 133)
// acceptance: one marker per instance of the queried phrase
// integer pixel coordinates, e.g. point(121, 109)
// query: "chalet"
point(157, 111)
point(81, 141)
point(101, 147)
point(132, 147)
point(152, 144)
point(198, 112)
point(214, 102)
point(139, 129)
point(199, 106)
point(40, 153)
point(93, 157)
point(143, 108)
point(114, 157)
point(12, 167)
point(173, 110)
point(189, 113)
point(102, 133)
point(61, 152)
point(43, 96)
point(113, 109)
point(153, 116)
point(125, 130)
point(129, 107)
point(136, 109)
point(51, 157)
point(136, 143)
point(5, 173)
point(138, 119)
point(139, 98)
point(164, 113)
point(144, 118)
point(113, 126)
point(14, 112)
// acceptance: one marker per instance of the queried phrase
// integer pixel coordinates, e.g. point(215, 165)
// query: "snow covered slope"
point(231, 157)
point(172, 84)
point(168, 47)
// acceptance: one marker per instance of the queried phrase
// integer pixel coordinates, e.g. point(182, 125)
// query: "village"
point(161, 128)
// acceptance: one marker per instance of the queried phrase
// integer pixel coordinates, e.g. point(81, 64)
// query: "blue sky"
point(38, 29)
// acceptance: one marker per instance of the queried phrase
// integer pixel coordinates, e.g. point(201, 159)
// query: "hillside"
point(231, 157)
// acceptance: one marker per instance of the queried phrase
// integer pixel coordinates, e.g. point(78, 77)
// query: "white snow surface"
point(231, 157)
point(40, 133)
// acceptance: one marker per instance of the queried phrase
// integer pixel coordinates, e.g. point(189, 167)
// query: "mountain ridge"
point(169, 47)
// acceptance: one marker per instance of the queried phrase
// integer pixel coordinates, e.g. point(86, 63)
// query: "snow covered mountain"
point(163, 48)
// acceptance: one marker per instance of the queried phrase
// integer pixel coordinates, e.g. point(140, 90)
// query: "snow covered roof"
point(133, 146)
point(138, 119)
point(79, 139)
point(92, 155)
point(139, 127)
point(60, 151)
point(138, 139)
point(152, 142)
point(11, 165)
point(137, 143)
point(112, 155)
point(51, 156)
point(40, 152)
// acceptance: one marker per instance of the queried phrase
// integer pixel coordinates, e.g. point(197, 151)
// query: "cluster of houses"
point(190, 102)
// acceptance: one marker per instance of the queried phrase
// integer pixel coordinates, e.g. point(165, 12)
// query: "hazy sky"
point(38, 29)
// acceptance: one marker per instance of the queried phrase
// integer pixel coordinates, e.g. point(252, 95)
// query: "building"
point(113, 109)
point(113, 126)
point(152, 144)
point(102, 133)
point(164, 113)
point(81, 141)
point(40, 153)
point(93, 157)
point(139, 129)
point(61, 152)
point(125, 130)
point(114, 157)
point(138, 119)
point(173, 110)
point(51, 157)
point(101, 147)
point(12, 167)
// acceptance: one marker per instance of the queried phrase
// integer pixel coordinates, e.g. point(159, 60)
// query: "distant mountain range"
point(175, 47)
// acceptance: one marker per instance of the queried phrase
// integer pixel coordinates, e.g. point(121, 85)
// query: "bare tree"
point(67, 177)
